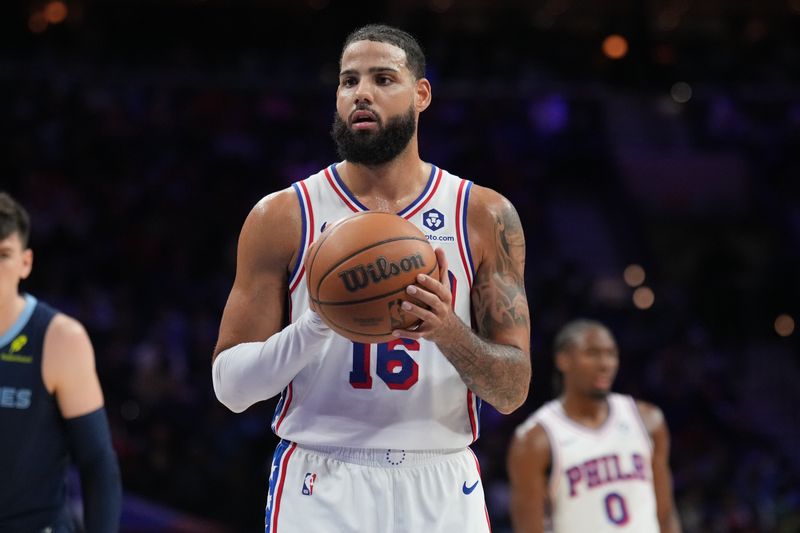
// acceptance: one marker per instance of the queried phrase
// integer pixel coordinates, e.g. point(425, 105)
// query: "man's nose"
point(363, 92)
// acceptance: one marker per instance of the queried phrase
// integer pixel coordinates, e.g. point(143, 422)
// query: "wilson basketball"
point(358, 271)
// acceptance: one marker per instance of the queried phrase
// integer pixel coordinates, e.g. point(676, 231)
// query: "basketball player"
point(591, 460)
point(51, 405)
point(376, 437)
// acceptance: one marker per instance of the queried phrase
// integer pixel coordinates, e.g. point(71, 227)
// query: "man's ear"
point(422, 98)
point(27, 263)
point(563, 361)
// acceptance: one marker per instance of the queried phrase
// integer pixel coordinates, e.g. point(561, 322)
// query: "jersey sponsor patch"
point(433, 219)
point(13, 355)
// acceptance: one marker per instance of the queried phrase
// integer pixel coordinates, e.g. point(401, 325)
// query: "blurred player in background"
point(51, 405)
point(591, 460)
point(376, 437)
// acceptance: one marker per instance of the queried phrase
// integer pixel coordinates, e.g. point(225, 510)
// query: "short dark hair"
point(13, 218)
point(569, 334)
point(415, 58)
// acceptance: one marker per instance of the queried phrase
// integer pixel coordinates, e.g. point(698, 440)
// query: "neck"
point(587, 410)
point(393, 183)
point(10, 309)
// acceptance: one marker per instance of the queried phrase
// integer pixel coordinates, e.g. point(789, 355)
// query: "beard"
point(599, 394)
point(374, 148)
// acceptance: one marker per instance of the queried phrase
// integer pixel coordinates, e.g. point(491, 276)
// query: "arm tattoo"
point(498, 373)
point(499, 291)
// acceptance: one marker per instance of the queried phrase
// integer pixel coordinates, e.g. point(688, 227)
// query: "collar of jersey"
point(20, 322)
point(343, 188)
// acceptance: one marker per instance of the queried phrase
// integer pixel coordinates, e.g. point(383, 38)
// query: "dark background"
point(140, 133)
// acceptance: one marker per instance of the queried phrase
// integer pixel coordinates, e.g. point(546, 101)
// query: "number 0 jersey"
point(601, 479)
point(403, 394)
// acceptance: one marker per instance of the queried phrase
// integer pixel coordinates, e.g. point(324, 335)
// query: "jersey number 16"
point(394, 365)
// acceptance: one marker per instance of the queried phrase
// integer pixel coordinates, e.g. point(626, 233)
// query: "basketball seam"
point(371, 298)
point(321, 311)
point(323, 237)
point(356, 252)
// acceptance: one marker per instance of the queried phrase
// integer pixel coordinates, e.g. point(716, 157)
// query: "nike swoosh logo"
point(468, 490)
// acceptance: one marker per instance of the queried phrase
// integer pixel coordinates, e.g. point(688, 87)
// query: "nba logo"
point(308, 484)
point(396, 314)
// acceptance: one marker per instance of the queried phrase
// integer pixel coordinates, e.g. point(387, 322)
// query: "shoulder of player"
point(280, 206)
point(64, 329)
point(485, 203)
point(652, 416)
point(272, 228)
point(67, 348)
point(490, 213)
point(530, 438)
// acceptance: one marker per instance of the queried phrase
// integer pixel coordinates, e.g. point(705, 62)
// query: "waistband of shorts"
point(384, 458)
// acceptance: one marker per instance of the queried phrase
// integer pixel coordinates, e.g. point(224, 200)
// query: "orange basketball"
point(358, 271)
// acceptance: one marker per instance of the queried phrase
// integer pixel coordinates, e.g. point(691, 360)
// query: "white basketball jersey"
point(403, 394)
point(601, 479)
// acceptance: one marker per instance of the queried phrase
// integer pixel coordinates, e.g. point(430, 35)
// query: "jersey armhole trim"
point(282, 408)
point(462, 232)
point(474, 411)
point(306, 233)
point(555, 462)
point(642, 426)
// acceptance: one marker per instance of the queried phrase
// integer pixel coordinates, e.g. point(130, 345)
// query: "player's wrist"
point(450, 333)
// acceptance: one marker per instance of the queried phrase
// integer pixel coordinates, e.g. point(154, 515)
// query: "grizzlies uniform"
point(391, 419)
point(33, 447)
point(601, 479)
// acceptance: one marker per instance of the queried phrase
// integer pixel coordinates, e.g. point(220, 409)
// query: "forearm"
point(670, 524)
point(526, 520)
point(102, 494)
point(90, 444)
point(498, 373)
point(254, 371)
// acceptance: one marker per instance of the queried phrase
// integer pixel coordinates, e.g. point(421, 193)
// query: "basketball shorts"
point(331, 490)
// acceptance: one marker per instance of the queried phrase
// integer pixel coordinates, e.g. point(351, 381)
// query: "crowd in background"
point(139, 177)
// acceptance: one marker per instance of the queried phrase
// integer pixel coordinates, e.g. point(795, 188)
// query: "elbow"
point(227, 397)
point(504, 410)
point(519, 395)
point(232, 404)
point(509, 407)
point(513, 402)
point(225, 393)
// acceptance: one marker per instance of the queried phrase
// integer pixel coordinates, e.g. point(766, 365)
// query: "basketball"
point(358, 271)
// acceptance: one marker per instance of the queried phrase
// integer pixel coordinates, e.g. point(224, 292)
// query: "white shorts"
point(332, 490)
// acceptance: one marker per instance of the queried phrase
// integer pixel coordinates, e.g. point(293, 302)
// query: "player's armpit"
point(68, 368)
point(267, 249)
point(527, 464)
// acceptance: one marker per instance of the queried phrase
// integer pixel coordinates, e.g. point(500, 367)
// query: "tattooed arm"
point(494, 361)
